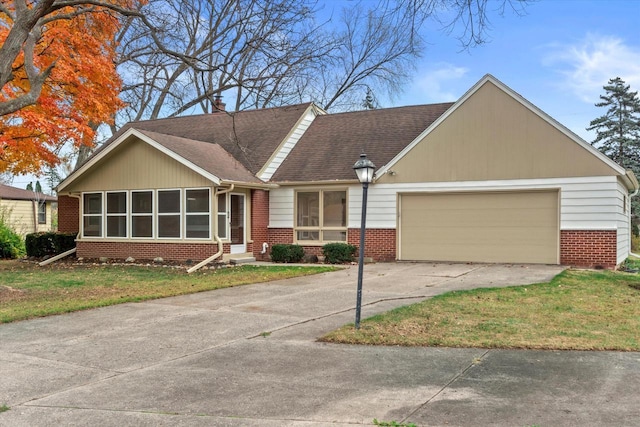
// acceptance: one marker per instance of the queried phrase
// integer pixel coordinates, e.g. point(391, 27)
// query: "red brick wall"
point(259, 222)
point(148, 251)
point(589, 248)
point(380, 244)
point(68, 214)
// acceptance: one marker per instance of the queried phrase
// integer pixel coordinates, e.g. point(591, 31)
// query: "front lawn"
point(577, 310)
point(27, 290)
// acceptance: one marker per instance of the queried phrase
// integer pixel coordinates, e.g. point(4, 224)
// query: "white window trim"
point(100, 215)
point(320, 228)
point(107, 214)
point(152, 213)
point(187, 214)
point(180, 214)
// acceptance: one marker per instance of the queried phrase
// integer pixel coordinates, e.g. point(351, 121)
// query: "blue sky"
point(558, 56)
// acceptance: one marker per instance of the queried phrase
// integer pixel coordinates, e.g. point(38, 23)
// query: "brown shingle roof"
point(13, 193)
point(249, 136)
point(210, 157)
point(333, 143)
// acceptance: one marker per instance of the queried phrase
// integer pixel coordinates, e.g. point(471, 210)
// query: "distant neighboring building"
point(26, 211)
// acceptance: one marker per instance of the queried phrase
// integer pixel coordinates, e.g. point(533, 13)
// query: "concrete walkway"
point(247, 356)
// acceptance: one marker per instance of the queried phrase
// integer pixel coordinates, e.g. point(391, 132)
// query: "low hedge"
point(338, 253)
point(49, 243)
point(286, 253)
point(11, 244)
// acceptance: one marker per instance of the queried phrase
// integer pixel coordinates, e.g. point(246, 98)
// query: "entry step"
point(242, 260)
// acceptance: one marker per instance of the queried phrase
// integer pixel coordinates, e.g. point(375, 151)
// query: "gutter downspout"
point(216, 237)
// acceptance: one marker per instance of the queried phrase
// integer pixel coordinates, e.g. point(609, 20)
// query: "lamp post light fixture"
point(364, 169)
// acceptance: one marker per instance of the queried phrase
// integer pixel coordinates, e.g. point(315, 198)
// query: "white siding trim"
point(585, 202)
point(281, 154)
point(281, 208)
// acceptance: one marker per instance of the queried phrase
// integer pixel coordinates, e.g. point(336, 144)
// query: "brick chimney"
point(218, 105)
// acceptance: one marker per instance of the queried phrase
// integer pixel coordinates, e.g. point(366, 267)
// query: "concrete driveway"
point(247, 356)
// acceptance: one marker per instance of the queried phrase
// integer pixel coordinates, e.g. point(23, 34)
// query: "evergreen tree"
point(618, 131)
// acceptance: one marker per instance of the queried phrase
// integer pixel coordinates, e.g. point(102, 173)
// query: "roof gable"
point(494, 133)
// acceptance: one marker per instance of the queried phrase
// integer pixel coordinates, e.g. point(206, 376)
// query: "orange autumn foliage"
point(81, 91)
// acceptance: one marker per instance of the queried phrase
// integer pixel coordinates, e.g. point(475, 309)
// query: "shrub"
point(286, 253)
point(11, 244)
point(338, 253)
point(49, 243)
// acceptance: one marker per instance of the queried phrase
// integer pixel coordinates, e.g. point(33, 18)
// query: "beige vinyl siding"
point(19, 214)
point(491, 136)
point(137, 166)
point(514, 227)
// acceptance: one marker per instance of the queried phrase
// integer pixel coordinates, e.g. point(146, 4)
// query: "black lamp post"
point(364, 169)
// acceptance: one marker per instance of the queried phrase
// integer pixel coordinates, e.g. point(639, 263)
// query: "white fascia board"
point(132, 132)
point(519, 98)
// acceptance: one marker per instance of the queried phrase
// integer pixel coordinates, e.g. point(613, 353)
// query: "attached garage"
point(510, 227)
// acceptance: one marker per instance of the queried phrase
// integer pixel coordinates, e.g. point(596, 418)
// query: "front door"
point(238, 224)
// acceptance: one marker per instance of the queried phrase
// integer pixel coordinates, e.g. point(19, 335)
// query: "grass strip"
point(28, 291)
point(577, 310)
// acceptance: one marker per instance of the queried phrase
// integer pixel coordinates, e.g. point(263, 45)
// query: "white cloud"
point(589, 64)
point(435, 85)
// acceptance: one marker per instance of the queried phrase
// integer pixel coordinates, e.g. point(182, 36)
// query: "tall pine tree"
point(618, 131)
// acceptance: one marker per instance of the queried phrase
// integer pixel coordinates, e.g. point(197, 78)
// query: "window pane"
point(42, 213)
point(141, 226)
point(117, 226)
point(308, 235)
point(222, 226)
point(141, 202)
point(222, 203)
point(335, 209)
point(169, 226)
point(92, 226)
point(334, 236)
point(116, 203)
point(93, 203)
point(197, 200)
point(169, 201)
point(308, 209)
point(198, 226)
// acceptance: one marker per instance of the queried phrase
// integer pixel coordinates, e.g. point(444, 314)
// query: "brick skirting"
point(148, 251)
point(589, 248)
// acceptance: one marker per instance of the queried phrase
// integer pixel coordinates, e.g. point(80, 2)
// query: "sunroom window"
point(326, 224)
point(198, 214)
point(92, 215)
point(117, 214)
point(142, 214)
point(169, 214)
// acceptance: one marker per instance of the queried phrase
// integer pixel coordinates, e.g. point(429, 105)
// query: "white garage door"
point(510, 227)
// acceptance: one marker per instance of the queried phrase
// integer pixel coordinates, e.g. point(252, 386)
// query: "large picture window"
point(321, 216)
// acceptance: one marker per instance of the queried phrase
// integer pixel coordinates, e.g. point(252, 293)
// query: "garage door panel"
point(480, 227)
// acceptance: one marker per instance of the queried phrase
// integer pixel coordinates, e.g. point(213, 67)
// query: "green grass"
point(28, 291)
point(578, 310)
